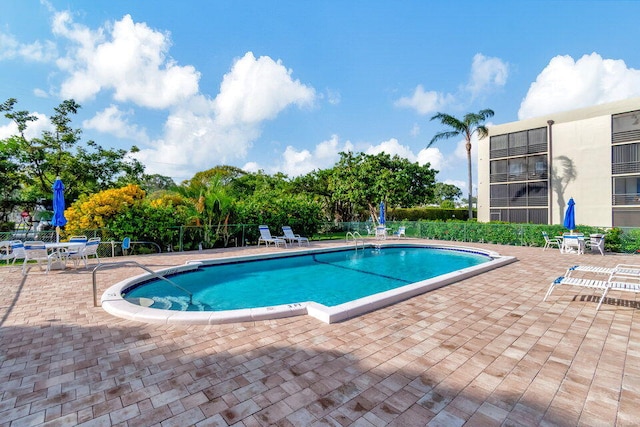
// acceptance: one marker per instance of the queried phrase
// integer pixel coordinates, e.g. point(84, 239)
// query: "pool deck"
point(484, 351)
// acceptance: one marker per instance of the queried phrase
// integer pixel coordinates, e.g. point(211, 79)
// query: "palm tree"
point(470, 124)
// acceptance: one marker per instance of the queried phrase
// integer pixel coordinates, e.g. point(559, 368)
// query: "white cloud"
point(425, 102)
point(34, 128)
point(203, 132)
point(566, 84)
point(433, 156)
point(40, 93)
point(128, 58)
point(333, 97)
point(115, 122)
point(462, 185)
point(392, 147)
point(486, 74)
point(258, 89)
point(37, 51)
point(324, 156)
point(251, 167)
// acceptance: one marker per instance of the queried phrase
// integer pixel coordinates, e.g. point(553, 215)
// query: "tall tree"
point(84, 168)
point(365, 180)
point(446, 192)
point(471, 123)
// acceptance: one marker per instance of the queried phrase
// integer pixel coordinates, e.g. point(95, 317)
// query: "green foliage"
point(446, 192)
point(364, 180)
point(630, 242)
point(299, 211)
point(35, 163)
point(143, 222)
point(427, 213)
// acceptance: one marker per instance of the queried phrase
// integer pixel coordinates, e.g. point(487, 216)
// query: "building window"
point(625, 158)
point(531, 216)
point(518, 177)
point(498, 171)
point(537, 168)
point(625, 127)
point(519, 194)
point(527, 168)
point(537, 140)
point(626, 217)
point(626, 191)
point(530, 141)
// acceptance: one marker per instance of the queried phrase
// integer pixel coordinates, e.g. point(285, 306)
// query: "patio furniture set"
point(53, 255)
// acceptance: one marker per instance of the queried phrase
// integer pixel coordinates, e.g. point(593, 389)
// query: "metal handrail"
point(356, 236)
point(148, 270)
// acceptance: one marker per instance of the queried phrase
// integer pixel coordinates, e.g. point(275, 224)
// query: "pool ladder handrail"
point(356, 236)
point(147, 269)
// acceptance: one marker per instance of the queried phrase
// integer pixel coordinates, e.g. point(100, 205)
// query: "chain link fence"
point(189, 238)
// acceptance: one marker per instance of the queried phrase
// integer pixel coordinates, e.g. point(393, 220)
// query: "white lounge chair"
point(381, 232)
point(623, 277)
point(549, 242)
point(37, 251)
point(290, 237)
point(265, 236)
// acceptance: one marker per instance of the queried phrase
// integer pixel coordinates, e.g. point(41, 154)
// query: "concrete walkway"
point(485, 351)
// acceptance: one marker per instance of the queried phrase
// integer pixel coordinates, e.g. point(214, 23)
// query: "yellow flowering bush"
point(94, 211)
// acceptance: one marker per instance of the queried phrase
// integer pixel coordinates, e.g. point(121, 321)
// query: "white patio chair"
point(17, 251)
point(37, 251)
point(5, 251)
point(549, 242)
point(265, 236)
point(381, 232)
point(595, 242)
point(400, 233)
point(290, 237)
point(83, 254)
point(572, 243)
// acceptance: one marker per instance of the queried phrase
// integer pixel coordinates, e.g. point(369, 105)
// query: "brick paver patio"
point(484, 351)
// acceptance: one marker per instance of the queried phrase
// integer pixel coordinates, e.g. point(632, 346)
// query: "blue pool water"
point(329, 278)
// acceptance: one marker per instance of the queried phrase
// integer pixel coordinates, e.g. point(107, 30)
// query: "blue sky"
point(284, 86)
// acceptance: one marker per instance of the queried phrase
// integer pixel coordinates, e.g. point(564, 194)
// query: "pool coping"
point(113, 302)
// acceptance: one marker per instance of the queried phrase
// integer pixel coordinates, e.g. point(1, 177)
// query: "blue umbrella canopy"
point(570, 215)
point(382, 220)
point(58, 219)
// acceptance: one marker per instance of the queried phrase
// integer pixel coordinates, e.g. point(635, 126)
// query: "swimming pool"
point(284, 284)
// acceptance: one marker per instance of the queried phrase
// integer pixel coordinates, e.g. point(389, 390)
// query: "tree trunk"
point(470, 199)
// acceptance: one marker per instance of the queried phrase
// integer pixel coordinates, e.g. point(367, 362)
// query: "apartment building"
point(528, 170)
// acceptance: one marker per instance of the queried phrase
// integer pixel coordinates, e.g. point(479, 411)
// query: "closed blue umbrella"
point(58, 219)
point(382, 220)
point(570, 215)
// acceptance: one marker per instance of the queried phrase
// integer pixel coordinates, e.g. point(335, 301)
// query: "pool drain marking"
point(360, 271)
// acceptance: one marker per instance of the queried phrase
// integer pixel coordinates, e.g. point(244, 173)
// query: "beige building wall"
point(581, 168)
point(580, 161)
